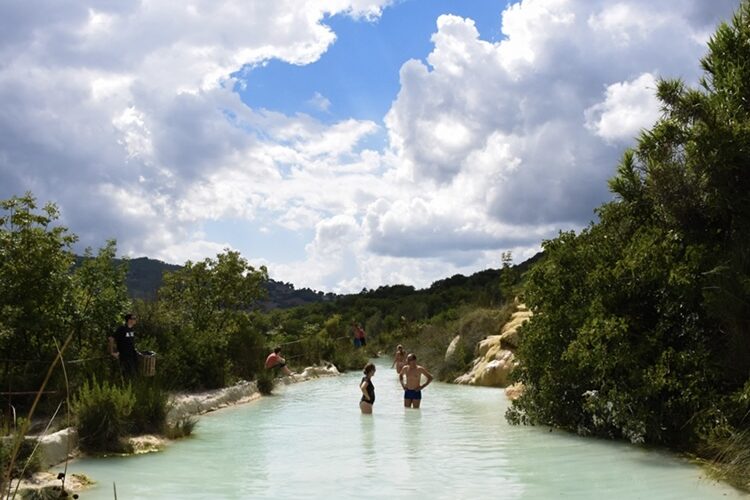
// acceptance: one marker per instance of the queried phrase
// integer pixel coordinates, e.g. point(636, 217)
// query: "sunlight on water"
point(310, 441)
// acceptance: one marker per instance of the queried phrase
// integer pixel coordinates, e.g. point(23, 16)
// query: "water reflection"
point(367, 433)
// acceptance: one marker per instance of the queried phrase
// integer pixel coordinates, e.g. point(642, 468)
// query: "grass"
point(731, 463)
point(182, 428)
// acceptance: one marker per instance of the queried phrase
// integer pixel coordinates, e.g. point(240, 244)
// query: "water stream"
point(310, 441)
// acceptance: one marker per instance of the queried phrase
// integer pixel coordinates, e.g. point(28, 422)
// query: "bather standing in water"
point(368, 389)
point(399, 359)
point(413, 372)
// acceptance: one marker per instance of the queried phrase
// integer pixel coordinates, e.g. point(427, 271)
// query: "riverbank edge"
point(59, 447)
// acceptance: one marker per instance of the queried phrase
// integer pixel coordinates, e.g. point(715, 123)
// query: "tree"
point(208, 302)
point(508, 276)
point(642, 326)
point(35, 281)
point(100, 297)
point(210, 292)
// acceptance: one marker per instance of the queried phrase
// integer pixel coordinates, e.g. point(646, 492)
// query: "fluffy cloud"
point(628, 108)
point(515, 140)
point(126, 114)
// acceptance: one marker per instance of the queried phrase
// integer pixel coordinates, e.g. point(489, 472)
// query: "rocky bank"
point(495, 355)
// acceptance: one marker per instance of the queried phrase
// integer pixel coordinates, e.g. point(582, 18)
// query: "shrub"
point(265, 381)
point(102, 411)
point(246, 348)
point(149, 413)
point(182, 428)
point(348, 358)
point(27, 461)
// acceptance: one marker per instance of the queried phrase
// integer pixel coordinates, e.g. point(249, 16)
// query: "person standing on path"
point(412, 373)
point(122, 346)
point(368, 390)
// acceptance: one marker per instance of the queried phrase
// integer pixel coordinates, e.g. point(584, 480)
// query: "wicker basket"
point(148, 364)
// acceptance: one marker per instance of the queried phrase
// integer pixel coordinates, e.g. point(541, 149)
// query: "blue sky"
point(359, 73)
point(341, 143)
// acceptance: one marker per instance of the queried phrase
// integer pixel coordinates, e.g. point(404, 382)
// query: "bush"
point(27, 461)
point(265, 381)
point(182, 428)
point(246, 348)
point(102, 410)
point(349, 358)
point(149, 413)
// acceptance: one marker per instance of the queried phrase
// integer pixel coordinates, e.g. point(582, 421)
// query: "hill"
point(145, 277)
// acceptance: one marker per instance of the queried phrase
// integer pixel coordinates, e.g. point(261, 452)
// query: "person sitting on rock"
point(274, 361)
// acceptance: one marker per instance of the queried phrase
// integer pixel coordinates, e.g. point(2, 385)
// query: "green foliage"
point(35, 283)
point(100, 297)
point(346, 357)
point(182, 428)
point(149, 413)
point(207, 337)
point(209, 293)
point(265, 381)
point(246, 346)
point(103, 411)
point(27, 461)
point(509, 277)
point(642, 326)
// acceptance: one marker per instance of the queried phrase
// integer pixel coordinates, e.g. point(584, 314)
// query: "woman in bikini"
point(368, 390)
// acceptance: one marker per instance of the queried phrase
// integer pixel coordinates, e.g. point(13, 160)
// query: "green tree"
point(209, 293)
point(641, 326)
point(207, 303)
point(100, 297)
point(35, 281)
point(508, 277)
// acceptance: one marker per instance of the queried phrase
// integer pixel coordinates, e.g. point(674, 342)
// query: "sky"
point(344, 144)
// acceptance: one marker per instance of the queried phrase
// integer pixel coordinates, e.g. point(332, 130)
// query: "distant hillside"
point(145, 277)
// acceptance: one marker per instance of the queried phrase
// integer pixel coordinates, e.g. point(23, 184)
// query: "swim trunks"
point(412, 394)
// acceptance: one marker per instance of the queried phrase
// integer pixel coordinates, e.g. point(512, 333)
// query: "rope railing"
point(47, 362)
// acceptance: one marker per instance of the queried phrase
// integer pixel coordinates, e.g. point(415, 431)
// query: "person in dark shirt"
point(122, 346)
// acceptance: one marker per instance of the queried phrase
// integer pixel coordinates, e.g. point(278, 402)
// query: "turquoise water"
point(310, 441)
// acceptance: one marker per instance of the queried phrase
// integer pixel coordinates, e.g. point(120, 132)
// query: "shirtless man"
point(413, 372)
point(276, 362)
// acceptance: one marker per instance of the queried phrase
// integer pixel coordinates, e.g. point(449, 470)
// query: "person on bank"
point(399, 359)
point(359, 335)
point(274, 361)
point(412, 374)
point(122, 346)
point(368, 389)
